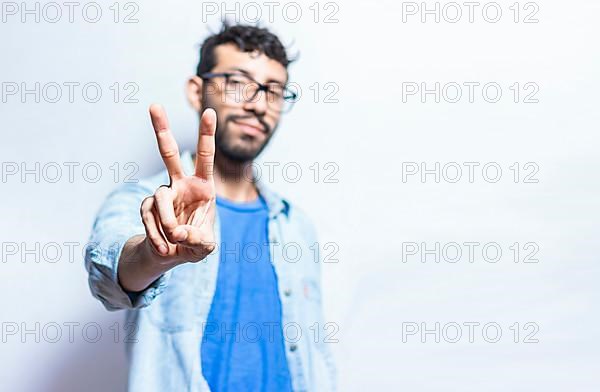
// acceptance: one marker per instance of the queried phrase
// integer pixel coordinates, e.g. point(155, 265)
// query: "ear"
point(194, 92)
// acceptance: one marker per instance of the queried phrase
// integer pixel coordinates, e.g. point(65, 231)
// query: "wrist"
point(140, 265)
point(152, 262)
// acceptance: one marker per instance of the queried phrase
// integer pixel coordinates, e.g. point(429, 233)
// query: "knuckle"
point(169, 153)
point(146, 217)
point(146, 204)
point(161, 191)
point(205, 153)
point(169, 225)
point(210, 247)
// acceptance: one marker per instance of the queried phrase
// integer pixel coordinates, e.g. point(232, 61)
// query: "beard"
point(243, 149)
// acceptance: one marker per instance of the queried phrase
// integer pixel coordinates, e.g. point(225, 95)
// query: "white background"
point(370, 212)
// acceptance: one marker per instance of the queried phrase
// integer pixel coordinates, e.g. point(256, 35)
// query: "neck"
point(234, 180)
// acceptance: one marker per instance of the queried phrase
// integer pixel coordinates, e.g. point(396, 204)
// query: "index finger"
point(166, 141)
point(205, 153)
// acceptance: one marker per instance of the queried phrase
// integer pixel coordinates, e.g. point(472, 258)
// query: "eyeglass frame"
point(261, 86)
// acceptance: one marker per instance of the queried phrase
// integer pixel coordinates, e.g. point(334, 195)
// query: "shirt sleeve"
point(117, 221)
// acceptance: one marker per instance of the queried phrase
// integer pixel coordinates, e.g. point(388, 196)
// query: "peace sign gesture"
point(179, 218)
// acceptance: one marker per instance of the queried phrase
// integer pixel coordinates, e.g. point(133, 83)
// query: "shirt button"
point(287, 292)
point(293, 347)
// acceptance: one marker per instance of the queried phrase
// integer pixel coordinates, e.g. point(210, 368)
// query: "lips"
point(250, 128)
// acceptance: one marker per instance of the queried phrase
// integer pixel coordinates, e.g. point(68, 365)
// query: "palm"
point(192, 200)
point(193, 206)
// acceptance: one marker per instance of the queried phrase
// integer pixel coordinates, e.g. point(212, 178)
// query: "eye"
point(275, 91)
point(235, 82)
point(238, 79)
point(275, 94)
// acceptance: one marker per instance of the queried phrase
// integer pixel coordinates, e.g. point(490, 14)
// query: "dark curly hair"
point(248, 39)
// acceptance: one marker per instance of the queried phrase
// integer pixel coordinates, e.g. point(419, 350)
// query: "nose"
point(258, 104)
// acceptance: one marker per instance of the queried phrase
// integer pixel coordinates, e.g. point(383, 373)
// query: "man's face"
point(243, 128)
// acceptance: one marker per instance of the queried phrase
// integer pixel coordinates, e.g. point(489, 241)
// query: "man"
point(201, 263)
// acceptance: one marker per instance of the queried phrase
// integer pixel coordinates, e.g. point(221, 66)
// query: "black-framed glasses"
point(240, 87)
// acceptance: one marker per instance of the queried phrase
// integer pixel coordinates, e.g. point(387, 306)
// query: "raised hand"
point(179, 218)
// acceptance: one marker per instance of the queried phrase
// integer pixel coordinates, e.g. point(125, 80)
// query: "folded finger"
point(166, 214)
point(151, 226)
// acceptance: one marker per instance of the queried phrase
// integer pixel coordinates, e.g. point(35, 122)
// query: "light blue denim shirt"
point(170, 315)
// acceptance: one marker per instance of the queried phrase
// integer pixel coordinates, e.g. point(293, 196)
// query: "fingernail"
point(162, 249)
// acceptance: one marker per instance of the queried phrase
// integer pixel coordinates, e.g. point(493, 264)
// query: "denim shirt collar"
point(275, 203)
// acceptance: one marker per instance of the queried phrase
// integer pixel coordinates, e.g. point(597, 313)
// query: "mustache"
point(233, 117)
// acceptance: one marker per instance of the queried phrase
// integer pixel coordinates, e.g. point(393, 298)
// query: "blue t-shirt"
point(243, 347)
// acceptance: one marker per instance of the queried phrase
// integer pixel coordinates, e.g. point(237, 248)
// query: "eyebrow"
point(245, 72)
